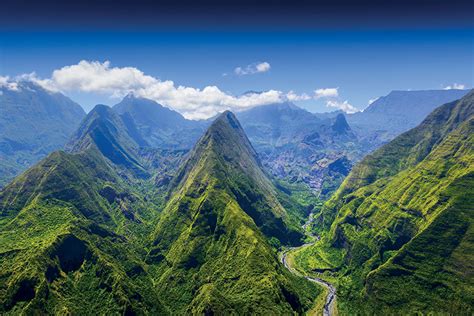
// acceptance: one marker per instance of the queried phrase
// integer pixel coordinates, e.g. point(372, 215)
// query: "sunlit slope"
point(69, 237)
point(402, 221)
point(212, 243)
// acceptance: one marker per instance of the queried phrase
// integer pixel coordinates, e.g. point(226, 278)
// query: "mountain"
point(399, 233)
point(298, 146)
point(87, 230)
point(72, 229)
point(292, 143)
point(399, 111)
point(158, 126)
point(33, 123)
point(212, 244)
point(104, 130)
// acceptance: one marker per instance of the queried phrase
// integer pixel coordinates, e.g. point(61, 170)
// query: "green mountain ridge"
point(105, 130)
point(212, 232)
point(398, 235)
point(79, 232)
point(71, 232)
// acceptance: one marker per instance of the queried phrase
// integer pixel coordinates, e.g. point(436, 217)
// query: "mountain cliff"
point(84, 230)
point(400, 226)
point(72, 229)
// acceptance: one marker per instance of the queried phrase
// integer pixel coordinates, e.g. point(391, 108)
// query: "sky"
point(198, 60)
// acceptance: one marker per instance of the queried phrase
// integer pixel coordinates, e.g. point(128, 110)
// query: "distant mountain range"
point(33, 123)
point(399, 111)
point(158, 126)
point(316, 150)
point(301, 147)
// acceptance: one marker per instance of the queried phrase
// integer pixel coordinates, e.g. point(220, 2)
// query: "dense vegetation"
point(210, 243)
point(83, 230)
point(127, 221)
point(398, 235)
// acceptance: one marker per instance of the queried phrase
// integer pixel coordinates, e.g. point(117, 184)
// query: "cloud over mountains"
point(193, 103)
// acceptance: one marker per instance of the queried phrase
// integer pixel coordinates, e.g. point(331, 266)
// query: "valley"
point(270, 210)
point(215, 158)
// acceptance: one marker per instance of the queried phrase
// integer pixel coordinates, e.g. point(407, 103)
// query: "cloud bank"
point(192, 103)
point(456, 86)
point(6, 82)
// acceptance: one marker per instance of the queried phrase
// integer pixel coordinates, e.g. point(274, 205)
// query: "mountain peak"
point(229, 118)
point(226, 135)
point(104, 130)
point(219, 200)
point(101, 110)
point(340, 125)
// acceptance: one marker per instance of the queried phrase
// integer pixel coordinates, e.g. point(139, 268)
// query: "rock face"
point(340, 125)
point(33, 123)
point(403, 220)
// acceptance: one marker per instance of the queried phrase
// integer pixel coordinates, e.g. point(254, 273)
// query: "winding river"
point(331, 297)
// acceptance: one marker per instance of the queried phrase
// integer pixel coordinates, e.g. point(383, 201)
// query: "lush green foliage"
point(83, 230)
point(400, 234)
point(209, 246)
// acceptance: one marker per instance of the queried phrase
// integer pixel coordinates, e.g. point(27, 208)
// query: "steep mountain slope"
point(75, 230)
point(158, 126)
point(33, 123)
point(104, 130)
point(72, 230)
point(400, 227)
point(211, 244)
point(391, 115)
point(300, 147)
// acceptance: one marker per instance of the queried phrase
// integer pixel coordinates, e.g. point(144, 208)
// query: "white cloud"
point(331, 95)
point(193, 103)
point(326, 93)
point(344, 106)
point(263, 67)
point(458, 86)
point(292, 96)
point(6, 82)
point(372, 100)
point(252, 69)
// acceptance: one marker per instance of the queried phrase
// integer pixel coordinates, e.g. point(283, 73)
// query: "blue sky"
point(362, 60)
